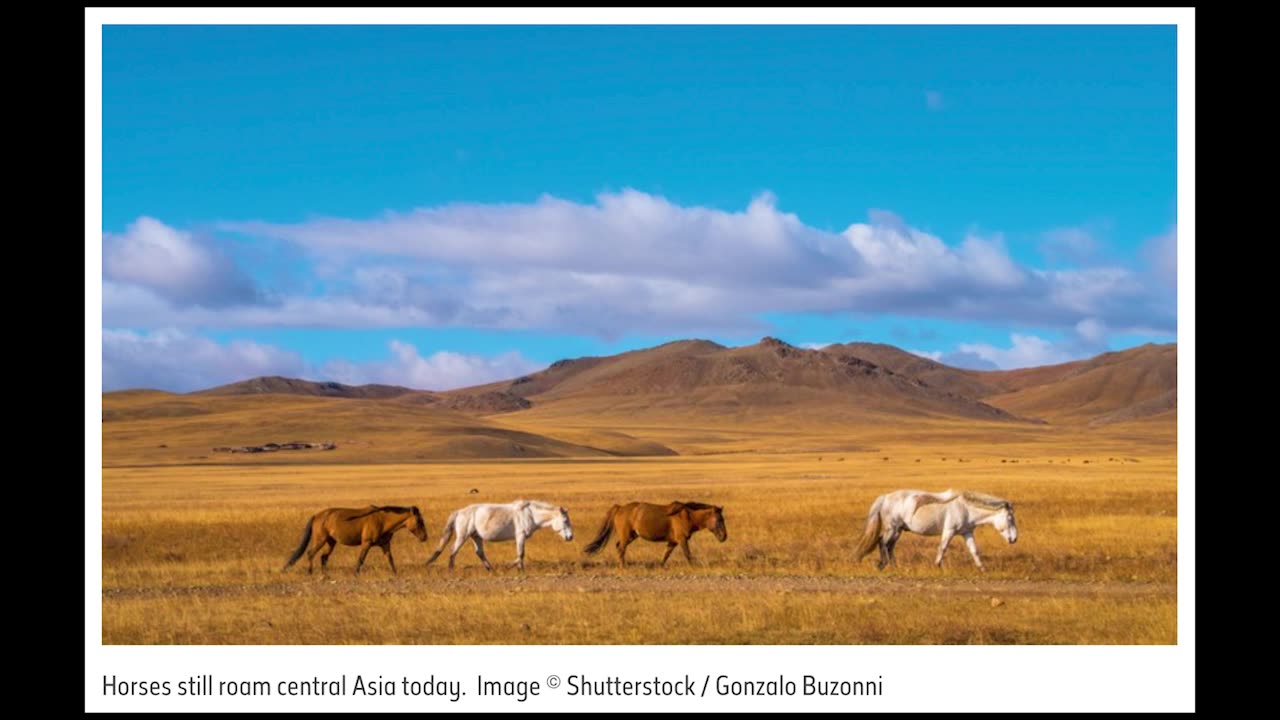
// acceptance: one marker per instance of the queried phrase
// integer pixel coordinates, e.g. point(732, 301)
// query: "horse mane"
point(923, 499)
point(679, 506)
point(536, 503)
point(990, 502)
point(388, 508)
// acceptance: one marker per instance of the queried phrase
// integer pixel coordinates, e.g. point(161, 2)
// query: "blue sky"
point(439, 206)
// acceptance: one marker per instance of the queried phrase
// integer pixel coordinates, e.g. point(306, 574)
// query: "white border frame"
point(923, 678)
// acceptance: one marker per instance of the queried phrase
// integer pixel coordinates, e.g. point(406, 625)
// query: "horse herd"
point(947, 513)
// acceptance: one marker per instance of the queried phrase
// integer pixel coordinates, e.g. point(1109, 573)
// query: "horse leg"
point(330, 544)
point(386, 550)
point(947, 534)
point(891, 544)
point(684, 546)
point(479, 546)
point(519, 561)
point(973, 549)
point(457, 545)
point(623, 541)
point(311, 554)
point(364, 552)
point(316, 543)
point(670, 546)
point(886, 545)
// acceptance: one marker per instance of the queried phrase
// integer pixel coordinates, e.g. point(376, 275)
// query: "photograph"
point(652, 334)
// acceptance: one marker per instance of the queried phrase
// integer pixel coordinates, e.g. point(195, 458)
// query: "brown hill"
point(970, 383)
point(150, 428)
point(483, 402)
point(276, 385)
point(1112, 387)
point(694, 396)
point(761, 381)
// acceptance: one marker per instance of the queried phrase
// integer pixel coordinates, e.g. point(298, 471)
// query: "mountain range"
point(638, 402)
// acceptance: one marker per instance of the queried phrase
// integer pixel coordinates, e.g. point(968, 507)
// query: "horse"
point(948, 514)
point(513, 521)
point(366, 527)
point(672, 523)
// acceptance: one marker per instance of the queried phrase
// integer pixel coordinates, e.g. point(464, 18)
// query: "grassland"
point(192, 552)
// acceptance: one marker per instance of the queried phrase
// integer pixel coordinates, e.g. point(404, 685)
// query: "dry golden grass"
point(192, 554)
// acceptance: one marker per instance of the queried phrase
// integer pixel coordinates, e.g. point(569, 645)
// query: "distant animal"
point(672, 523)
point(948, 514)
point(513, 521)
point(366, 527)
point(473, 491)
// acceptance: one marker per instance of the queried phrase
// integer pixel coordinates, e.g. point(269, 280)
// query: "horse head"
point(718, 528)
point(710, 517)
point(417, 525)
point(560, 523)
point(1006, 525)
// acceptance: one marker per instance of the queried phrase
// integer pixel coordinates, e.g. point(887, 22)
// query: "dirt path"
point(343, 584)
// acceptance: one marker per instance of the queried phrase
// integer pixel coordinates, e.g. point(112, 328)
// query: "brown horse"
point(366, 527)
point(672, 524)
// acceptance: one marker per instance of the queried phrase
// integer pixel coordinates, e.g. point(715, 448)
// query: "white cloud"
point(636, 263)
point(935, 355)
point(174, 265)
point(176, 361)
point(1089, 337)
point(442, 370)
point(1072, 244)
point(181, 362)
point(1092, 331)
point(629, 233)
point(1024, 351)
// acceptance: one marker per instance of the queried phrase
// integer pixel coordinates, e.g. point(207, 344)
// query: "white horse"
point(948, 514)
point(513, 521)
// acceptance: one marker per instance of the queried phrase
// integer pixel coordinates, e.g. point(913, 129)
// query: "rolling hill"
point(1132, 384)
point(690, 395)
point(151, 427)
point(768, 379)
point(1112, 387)
point(276, 385)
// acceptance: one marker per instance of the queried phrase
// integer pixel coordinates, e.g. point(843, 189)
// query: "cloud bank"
point(178, 361)
point(443, 370)
point(174, 360)
point(630, 262)
point(174, 266)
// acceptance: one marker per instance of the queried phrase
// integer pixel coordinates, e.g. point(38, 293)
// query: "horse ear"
point(719, 509)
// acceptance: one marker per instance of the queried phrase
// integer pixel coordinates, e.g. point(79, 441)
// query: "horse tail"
point(302, 546)
point(445, 535)
point(606, 530)
point(870, 535)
